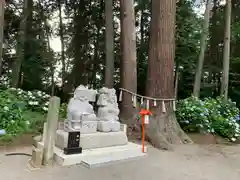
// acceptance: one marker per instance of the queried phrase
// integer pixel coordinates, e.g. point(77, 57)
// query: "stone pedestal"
point(107, 126)
point(102, 134)
point(84, 127)
point(37, 155)
point(93, 140)
point(100, 156)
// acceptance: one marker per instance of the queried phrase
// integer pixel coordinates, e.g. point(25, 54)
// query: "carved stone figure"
point(81, 117)
point(80, 114)
point(108, 110)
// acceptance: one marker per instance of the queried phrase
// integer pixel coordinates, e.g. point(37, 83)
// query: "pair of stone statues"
point(81, 116)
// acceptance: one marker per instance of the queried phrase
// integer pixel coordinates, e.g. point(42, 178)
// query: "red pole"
point(143, 113)
point(143, 133)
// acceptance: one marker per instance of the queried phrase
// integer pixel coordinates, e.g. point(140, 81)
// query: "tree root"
point(164, 131)
point(159, 141)
point(184, 137)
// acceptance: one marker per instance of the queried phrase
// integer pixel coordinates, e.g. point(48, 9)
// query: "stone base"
point(100, 156)
point(84, 127)
point(94, 140)
point(108, 126)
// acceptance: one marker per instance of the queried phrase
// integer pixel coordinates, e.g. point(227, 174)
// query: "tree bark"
point(128, 74)
point(50, 59)
point(49, 56)
point(214, 50)
point(62, 43)
point(109, 35)
point(20, 43)
point(95, 60)
point(203, 44)
point(226, 51)
point(2, 4)
point(163, 129)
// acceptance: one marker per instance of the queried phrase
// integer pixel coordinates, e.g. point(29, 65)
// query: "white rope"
point(145, 97)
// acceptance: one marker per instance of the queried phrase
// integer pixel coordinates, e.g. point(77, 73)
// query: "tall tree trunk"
point(203, 44)
point(2, 4)
point(142, 29)
point(226, 52)
point(109, 35)
point(95, 60)
point(62, 43)
point(20, 43)
point(141, 60)
point(214, 51)
point(163, 129)
point(49, 56)
point(128, 75)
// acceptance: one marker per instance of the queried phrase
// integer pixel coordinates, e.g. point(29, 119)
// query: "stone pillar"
point(51, 127)
point(44, 132)
point(36, 160)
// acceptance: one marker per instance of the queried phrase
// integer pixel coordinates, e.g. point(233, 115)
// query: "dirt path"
point(191, 162)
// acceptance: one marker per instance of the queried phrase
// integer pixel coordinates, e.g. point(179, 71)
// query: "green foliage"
point(22, 111)
point(84, 20)
point(223, 117)
point(63, 111)
point(36, 120)
point(209, 116)
point(35, 100)
point(193, 116)
point(12, 115)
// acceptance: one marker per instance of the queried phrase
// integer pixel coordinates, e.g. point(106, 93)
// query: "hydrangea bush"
point(4, 81)
point(209, 116)
point(23, 111)
point(11, 115)
point(36, 100)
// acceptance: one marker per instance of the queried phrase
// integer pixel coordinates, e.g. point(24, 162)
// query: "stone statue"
point(108, 110)
point(80, 114)
point(98, 131)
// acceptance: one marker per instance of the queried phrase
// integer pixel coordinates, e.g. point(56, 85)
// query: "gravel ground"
point(189, 162)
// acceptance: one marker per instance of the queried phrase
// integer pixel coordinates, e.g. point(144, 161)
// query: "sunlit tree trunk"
point(50, 58)
point(27, 8)
point(62, 43)
point(203, 45)
point(226, 51)
point(49, 55)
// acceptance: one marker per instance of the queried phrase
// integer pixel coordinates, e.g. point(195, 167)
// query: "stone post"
point(44, 132)
point(51, 127)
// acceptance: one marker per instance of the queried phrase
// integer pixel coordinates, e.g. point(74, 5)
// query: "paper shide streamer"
point(163, 107)
point(134, 101)
point(120, 96)
point(147, 100)
point(155, 103)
